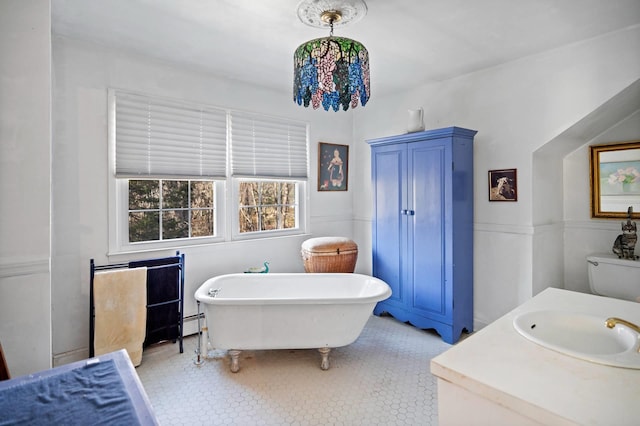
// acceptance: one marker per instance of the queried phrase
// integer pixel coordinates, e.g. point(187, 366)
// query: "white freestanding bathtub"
point(288, 310)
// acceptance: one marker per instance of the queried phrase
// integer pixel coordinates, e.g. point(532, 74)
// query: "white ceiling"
point(410, 42)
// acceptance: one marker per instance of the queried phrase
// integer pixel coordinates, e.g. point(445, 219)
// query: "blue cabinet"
point(422, 236)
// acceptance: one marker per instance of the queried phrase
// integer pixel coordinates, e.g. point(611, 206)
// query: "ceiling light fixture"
point(331, 71)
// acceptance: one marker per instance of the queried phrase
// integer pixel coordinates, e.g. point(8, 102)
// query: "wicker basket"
point(329, 254)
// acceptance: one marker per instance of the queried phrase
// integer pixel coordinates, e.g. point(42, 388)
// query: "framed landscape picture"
point(503, 185)
point(333, 167)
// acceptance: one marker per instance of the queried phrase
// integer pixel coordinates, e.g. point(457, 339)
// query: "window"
point(170, 209)
point(267, 206)
point(173, 164)
point(262, 149)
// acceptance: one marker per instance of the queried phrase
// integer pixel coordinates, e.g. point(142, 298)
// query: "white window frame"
point(226, 205)
point(119, 240)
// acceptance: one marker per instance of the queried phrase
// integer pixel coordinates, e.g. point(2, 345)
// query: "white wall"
point(25, 144)
point(548, 246)
point(82, 74)
point(516, 109)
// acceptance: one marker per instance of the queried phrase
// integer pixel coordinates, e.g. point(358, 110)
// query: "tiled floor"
point(381, 379)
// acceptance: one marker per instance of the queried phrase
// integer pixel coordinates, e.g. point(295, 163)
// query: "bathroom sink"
point(581, 336)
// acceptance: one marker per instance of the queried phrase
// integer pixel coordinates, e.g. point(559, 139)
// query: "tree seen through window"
point(266, 205)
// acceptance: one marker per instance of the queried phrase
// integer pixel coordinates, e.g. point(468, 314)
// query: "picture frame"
point(333, 167)
point(615, 180)
point(503, 185)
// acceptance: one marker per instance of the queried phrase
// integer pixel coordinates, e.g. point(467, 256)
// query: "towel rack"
point(165, 298)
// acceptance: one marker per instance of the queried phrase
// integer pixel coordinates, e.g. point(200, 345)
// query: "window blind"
point(267, 147)
point(159, 137)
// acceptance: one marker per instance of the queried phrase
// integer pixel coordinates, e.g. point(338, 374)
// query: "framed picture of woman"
point(333, 167)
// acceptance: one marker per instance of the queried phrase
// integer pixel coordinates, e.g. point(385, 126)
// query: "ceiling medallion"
point(310, 12)
point(331, 71)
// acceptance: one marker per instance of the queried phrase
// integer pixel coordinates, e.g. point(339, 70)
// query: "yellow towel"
point(120, 302)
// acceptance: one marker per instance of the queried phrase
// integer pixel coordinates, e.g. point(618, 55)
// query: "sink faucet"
point(613, 321)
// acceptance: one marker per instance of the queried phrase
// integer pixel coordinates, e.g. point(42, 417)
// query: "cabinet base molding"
point(449, 333)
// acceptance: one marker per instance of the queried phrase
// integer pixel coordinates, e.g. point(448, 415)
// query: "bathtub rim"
point(201, 294)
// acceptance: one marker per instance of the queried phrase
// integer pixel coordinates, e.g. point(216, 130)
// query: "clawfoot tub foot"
point(235, 366)
point(324, 364)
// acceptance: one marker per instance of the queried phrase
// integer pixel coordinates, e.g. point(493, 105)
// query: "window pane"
point(144, 194)
point(248, 219)
point(144, 226)
point(249, 195)
point(201, 194)
point(269, 192)
point(288, 193)
point(175, 194)
point(172, 211)
point(201, 223)
point(289, 217)
point(175, 224)
point(267, 206)
point(269, 218)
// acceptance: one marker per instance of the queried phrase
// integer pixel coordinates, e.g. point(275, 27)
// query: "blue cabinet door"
point(388, 242)
point(426, 231)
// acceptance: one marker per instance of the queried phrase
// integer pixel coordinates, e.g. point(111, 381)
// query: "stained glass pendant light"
point(331, 71)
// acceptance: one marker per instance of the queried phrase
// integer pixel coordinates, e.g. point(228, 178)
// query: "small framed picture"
point(503, 185)
point(333, 167)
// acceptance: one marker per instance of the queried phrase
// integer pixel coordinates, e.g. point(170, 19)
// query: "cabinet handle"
point(411, 212)
point(403, 212)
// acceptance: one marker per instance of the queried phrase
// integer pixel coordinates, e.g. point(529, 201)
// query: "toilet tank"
point(614, 277)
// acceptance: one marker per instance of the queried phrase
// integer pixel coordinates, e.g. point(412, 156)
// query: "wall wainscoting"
point(12, 268)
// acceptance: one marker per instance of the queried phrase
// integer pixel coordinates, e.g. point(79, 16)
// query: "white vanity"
point(498, 377)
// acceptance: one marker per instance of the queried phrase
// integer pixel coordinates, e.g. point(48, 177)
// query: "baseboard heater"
point(191, 325)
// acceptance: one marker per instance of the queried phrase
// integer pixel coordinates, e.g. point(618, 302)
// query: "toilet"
point(613, 277)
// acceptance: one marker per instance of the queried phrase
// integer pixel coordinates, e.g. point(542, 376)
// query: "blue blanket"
point(90, 395)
